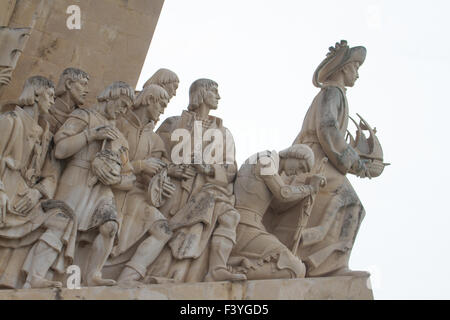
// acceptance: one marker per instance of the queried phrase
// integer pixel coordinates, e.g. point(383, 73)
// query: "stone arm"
point(286, 193)
point(51, 173)
point(71, 138)
point(332, 140)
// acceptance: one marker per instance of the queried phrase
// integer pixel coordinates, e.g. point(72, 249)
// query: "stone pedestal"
point(339, 288)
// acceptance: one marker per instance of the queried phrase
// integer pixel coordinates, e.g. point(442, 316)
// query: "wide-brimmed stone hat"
point(338, 56)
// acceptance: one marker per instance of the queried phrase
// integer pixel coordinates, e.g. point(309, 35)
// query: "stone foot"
point(224, 275)
point(98, 281)
point(41, 283)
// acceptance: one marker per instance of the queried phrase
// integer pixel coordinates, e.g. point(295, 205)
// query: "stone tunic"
point(93, 204)
point(255, 245)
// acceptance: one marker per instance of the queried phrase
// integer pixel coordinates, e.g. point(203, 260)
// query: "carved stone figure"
point(143, 225)
point(204, 219)
point(28, 178)
point(12, 43)
point(97, 161)
point(258, 184)
point(70, 94)
point(337, 214)
point(166, 79)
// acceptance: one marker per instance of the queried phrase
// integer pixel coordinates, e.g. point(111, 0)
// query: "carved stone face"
point(78, 91)
point(212, 98)
point(293, 166)
point(45, 100)
point(155, 110)
point(171, 89)
point(350, 74)
point(117, 107)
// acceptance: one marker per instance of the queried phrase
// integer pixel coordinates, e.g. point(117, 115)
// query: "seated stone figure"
point(28, 175)
point(97, 161)
point(258, 253)
point(144, 230)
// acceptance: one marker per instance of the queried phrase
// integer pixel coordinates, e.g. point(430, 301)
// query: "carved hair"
point(162, 77)
point(151, 92)
point(33, 87)
point(299, 151)
point(197, 92)
point(115, 90)
point(69, 74)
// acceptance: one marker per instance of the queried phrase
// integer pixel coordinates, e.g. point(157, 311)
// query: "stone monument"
point(94, 200)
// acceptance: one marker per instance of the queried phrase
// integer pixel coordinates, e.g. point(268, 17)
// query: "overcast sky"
point(263, 55)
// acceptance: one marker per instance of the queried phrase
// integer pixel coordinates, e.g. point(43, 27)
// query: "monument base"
point(332, 288)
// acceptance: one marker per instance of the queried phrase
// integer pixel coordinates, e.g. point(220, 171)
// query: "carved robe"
point(337, 213)
point(26, 162)
point(138, 216)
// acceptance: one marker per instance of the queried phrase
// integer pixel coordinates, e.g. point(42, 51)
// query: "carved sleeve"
point(72, 136)
point(283, 192)
point(331, 139)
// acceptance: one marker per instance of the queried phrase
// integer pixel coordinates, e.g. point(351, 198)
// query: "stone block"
point(332, 288)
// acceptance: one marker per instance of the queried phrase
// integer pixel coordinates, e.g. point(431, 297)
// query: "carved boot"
point(43, 258)
point(218, 257)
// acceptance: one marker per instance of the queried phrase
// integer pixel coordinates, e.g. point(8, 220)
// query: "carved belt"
point(250, 217)
point(80, 163)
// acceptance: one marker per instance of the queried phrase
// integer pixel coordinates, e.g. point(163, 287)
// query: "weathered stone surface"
point(339, 288)
point(112, 43)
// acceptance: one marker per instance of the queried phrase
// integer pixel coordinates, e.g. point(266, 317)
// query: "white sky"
point(263, 55)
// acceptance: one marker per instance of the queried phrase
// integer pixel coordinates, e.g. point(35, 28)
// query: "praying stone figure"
point(166, 79)
point(201, 211)
point(28, 179)
point(259, 183)
point(329, 236)
point(97, 162)
point(143, 224)
point(70, 94)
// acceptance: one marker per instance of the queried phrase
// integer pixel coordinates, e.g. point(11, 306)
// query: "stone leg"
point(220, 252)
point(146, 253)
point(44, 255)
point(101, 248)
point(223, 240)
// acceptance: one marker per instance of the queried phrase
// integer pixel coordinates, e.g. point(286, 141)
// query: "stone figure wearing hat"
point(328, 238)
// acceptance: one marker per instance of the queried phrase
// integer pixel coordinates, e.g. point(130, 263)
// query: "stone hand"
point(152, 166)
point(180, 172)
point(3, 206)
point(317, 182)
point(29, 199)
point(188, 172)
point(107, 177)
point(103, 133)
point(206, 169)
point(361, 169)
point(168, 189)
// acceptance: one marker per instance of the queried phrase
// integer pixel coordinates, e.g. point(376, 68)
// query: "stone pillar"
point(111, 44)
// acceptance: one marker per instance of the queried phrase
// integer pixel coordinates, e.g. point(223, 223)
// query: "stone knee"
point(161, 230)
point(109, 229)
point(227, 224)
